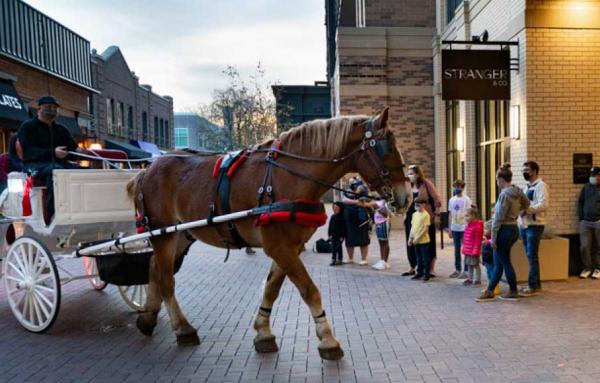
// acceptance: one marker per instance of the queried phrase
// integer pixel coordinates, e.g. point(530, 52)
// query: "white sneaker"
point(363, 263)
point(585, 274)
point(381, 265)
point(596, 274)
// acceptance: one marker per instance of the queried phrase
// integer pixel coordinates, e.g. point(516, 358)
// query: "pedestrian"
point(419, 239)
point(589, 225)
point(46, 146)
point(457, 207)
point(473, 237)
point(357, 222)
point(422, 188)
point(487, 254)
point(382, 230)
point(337, 233)
point(532, 223)
point(510, 203)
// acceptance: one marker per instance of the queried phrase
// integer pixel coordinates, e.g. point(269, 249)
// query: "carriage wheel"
point(91, 268)
point(32, 284)
point(135, 296)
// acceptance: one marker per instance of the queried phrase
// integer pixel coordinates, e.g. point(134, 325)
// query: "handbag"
point(323, 246)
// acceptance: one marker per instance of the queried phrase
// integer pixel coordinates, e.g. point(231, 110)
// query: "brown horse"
point(180, 189)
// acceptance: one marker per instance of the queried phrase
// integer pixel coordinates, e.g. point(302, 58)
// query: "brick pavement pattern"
point(392, 330)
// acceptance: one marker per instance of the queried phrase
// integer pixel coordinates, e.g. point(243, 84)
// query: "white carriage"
point(90, 205)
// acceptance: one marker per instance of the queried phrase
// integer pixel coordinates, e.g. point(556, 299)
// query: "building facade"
point(296, 104)
point(196, 132)
point(33, 64)
point(380, 54)
point(552, 114)
point(126, 111)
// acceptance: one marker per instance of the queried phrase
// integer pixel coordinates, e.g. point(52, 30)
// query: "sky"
point(181, 47)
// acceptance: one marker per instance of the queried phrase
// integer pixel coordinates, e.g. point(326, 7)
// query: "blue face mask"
point(593, 180)
point(417, 206)
point(456, 191)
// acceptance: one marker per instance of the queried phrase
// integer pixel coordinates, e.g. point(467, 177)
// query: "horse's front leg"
point(265, 340)
point(164, 256)
point(290, 263)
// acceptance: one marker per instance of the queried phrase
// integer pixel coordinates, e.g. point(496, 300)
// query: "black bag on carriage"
point(323, 246)
point(128, 269)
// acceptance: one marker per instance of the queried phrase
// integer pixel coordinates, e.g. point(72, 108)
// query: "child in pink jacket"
point(472, 246)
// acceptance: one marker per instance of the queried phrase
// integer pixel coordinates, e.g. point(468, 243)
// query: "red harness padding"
point(234, 166)
point(217, 167)
point(300, 217)
point(27, 196)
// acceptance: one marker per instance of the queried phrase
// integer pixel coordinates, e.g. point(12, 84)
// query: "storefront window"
point(181, 138)
point(144, 126)
point(453, 164)
point(451, 6)
point(493, 135)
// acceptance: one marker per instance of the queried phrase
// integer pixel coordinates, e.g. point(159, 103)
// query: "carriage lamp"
point(96, 146)
point(515, 122)
point(460, 138)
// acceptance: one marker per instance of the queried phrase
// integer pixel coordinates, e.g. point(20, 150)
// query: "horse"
point(312, 157)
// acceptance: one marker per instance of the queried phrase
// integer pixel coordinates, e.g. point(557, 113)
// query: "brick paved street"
point(392, 330)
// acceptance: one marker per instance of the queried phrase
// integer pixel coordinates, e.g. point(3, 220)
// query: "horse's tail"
point(134, 187)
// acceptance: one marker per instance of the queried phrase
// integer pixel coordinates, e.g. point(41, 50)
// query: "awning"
point(72, 126)
point(147, 146)
point(132, 151)
point(12, 108)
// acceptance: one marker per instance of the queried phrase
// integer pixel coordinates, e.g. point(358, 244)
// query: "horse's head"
point(380, 163)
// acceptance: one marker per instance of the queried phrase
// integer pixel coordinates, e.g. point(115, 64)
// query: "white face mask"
point(412, 178)
point(593, 180)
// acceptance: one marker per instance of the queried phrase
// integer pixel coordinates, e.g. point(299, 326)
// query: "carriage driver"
point(45, 146)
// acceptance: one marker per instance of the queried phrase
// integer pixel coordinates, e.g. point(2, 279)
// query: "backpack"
point(323, 246)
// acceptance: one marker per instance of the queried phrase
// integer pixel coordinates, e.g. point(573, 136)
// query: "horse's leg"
point(164, 256)
point(265, 340)
point(329, 347)
point(147, 320)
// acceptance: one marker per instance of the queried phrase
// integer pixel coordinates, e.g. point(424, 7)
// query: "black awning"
point(11, 105)
point(72, 126)
point(132, 151)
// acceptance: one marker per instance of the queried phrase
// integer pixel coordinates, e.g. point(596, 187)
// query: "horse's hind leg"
point(265, 340)
point(164, 256)
point(147, 320)
point(329, 347)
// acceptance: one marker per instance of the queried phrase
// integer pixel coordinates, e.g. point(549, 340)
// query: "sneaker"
point(426, 278)
point(528, 292)
point(585, 274)
point(363, 263)
point(333, 263)
point(349, 261)
point(379, 265)
point(408, 273)
point(467, 282)
point(463, 275)
point(454, 274)
point(596, 274)
point(339, 263)
point(510, 296)
point(486, 296)
point(416, 277)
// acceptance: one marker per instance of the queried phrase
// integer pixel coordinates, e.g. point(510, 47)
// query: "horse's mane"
point(324, 138)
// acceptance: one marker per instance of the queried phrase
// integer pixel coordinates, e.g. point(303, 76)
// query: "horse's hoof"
point(190, 339)
point(335, 353)
point(143, 325)
point(265, 345)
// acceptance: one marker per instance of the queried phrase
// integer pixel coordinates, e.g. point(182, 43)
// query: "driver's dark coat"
point(38, 141)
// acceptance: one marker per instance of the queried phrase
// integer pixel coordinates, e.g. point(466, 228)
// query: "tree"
point(245, 108)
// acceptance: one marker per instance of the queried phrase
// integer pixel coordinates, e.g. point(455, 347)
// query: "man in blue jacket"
point(588, 208)
point(45, 146)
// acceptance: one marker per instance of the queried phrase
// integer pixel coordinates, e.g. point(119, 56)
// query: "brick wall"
point(405, 13)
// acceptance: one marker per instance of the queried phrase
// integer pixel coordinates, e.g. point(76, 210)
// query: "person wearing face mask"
point(588, 208)
point(532, 222)
point(45, 145)
point(510, 203)
point(424, 189)
point(357, 221)
point(457, 207)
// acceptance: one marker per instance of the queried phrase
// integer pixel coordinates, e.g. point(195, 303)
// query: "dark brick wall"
point(400, 13)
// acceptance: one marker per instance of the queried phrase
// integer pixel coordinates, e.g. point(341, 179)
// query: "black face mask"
point(527, 176)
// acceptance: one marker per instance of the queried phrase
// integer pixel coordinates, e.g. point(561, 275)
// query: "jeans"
point(457, 238)
point(423, 259)
point(589, 232)
point(336, 249)
point(44, 173)
point(489, 270)
point(410, 250)
point(507, 236)
point(531, 237)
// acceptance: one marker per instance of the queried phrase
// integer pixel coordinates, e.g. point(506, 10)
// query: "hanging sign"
point(475, 74)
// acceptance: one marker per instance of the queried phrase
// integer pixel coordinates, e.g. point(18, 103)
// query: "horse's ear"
point(382, 119)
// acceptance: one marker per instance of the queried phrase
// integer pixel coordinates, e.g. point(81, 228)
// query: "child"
point(382, 230)
point(487, 253)
point(419, 238)
point(337, 233)
point(472, 246)
point(457, 207)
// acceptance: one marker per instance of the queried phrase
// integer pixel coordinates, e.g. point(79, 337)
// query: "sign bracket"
point(514, 62)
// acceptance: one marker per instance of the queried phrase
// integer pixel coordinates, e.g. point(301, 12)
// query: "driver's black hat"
point(47, 100)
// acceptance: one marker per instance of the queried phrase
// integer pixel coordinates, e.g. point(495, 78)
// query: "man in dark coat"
point(45, 146)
